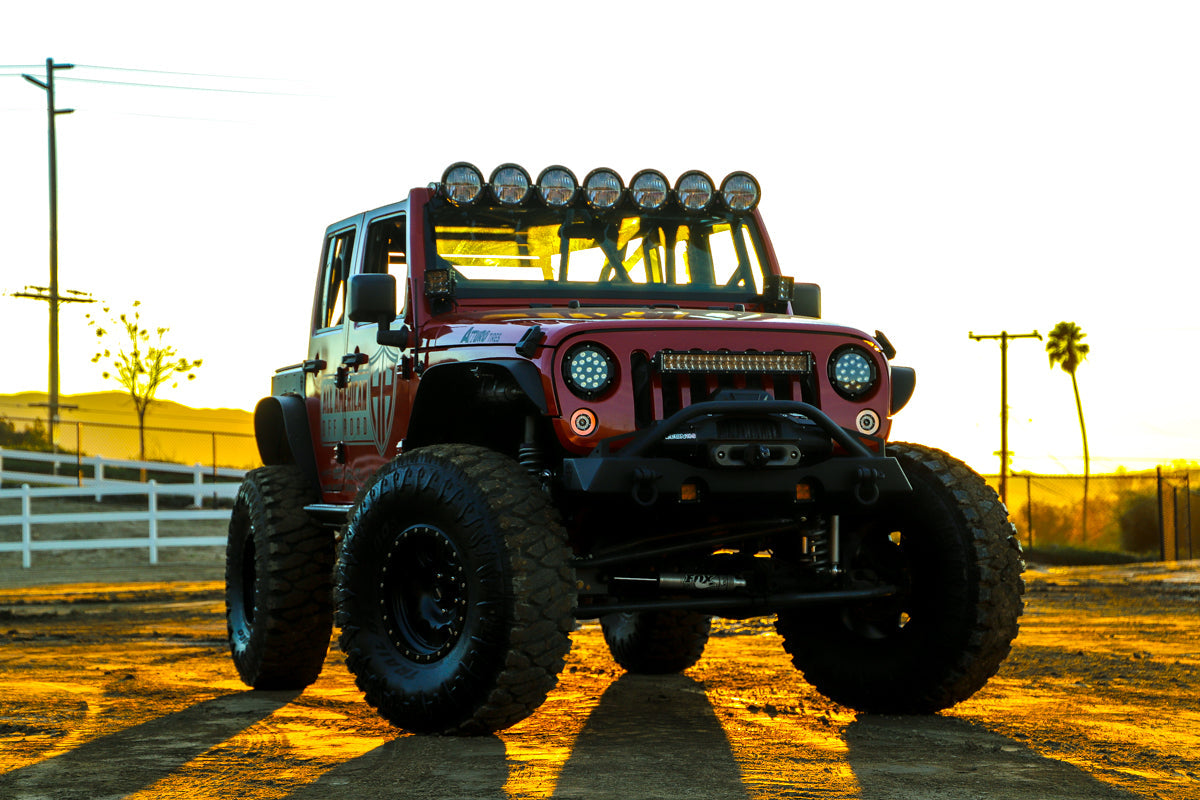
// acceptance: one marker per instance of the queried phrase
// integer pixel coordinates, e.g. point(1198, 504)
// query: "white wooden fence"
point(99, 487)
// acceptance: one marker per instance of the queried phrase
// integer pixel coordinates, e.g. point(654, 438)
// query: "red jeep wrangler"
point(528, 402)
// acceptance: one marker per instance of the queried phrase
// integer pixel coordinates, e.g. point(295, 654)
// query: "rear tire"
point(957, 563)
point(278, 603)
point(454, 591)
point(656, 642)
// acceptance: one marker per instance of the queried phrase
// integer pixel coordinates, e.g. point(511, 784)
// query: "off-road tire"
point(278, 589)
point(454, 591)
point(656, 642)
point(958, 567)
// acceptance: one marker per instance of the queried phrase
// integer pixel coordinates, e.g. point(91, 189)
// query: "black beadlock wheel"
point(656, 642)
point(954, 555)
point(454, 591)
point(278, 592)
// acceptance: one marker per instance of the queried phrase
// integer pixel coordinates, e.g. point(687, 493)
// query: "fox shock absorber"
point(692, 581)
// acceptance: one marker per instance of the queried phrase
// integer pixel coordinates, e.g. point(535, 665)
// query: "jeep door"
point(380, 378)
point(325, 396)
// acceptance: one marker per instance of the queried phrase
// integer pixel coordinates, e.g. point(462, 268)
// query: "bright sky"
point(939, 168)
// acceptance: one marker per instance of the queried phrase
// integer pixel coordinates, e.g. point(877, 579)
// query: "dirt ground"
point(123, 688)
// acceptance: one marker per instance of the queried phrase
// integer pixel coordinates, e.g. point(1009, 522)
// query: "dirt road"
point(126, 690)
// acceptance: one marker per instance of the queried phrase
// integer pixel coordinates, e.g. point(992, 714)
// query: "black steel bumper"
point(855, 476)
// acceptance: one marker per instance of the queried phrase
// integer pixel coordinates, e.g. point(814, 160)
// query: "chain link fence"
point(115, 441)
point(1147, 515)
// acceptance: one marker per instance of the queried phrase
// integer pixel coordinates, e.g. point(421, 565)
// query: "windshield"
point(551, 252)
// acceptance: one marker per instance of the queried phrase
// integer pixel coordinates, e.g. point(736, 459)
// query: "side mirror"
point(806, 300)
point(371, 298)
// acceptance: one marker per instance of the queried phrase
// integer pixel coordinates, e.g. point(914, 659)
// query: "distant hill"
point(105, 424)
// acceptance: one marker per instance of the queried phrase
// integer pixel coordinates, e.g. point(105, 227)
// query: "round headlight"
point(694, 190)
point(649, 189)
point(510, 184)
point(462, 183)
point(589, 369)
point(557, 186)
point(740, 192)
point(852, 372)
point(603, 188)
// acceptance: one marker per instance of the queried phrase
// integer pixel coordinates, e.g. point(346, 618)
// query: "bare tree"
point(142, 362)
point(1066, 348)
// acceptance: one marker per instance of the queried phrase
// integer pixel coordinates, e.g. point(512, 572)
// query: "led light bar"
point(785, 363)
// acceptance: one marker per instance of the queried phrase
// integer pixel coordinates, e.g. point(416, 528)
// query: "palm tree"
point(1066, 348)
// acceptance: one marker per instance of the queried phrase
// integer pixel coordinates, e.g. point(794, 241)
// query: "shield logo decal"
point(381, 406)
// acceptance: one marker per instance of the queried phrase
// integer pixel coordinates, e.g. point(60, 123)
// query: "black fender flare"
point(904, 383)
point(442, 384)
point(281, 431)
point(527, 377)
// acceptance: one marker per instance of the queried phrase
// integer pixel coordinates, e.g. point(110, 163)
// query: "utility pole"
point(1004, 336)
point(52, 290)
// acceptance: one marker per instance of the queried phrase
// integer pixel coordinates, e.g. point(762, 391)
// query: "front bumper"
point(854, 476)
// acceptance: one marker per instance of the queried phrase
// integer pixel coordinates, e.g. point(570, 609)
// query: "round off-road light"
point(510, 184)
point(557, 186)
point(462, 183)
point(695, 191)
point(650, 189)
point(740, 192)
point(852, 372)
point(603, 188)
point(589, 369)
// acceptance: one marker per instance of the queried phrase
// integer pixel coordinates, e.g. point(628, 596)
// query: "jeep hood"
point(505, 327)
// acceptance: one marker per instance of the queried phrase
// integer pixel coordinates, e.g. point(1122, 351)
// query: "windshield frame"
point(753, 254)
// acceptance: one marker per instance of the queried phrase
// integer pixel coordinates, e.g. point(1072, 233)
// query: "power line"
point(156, 72)
point(182, 88)
point(163, 116)
point(187, 74)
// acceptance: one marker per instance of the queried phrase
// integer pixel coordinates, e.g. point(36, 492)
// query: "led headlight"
point(557, 186)
point(853, 372)
point(589, 369)
point(510, 185)
point(603, 188)
point(462, 183)
point(695, 191)
point(740, 192)
point(650, 189)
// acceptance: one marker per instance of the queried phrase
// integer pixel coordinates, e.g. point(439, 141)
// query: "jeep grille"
point(670, 381)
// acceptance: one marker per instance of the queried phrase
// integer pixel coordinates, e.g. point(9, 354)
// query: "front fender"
point(281, 431)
